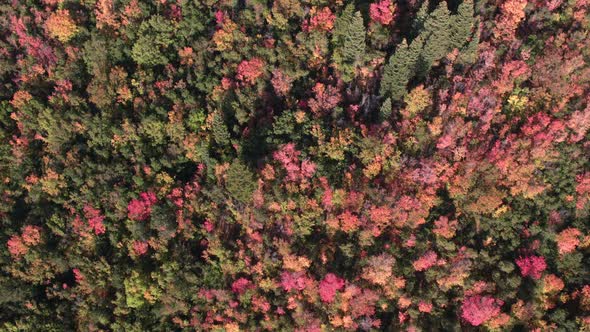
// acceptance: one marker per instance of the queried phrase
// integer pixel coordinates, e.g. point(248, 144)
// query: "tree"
point(477, 310)
point(61, 26)
point(385, 110)
point(399, 70)
point(437, 43)
point(155, 35)
point(461, 24)
point(349, 42)
point(240, 182)
point(354, 42)
point(220, 133)
point(439, 32)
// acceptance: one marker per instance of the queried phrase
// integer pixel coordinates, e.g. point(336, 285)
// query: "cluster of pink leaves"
point(297, 170)
point(250, 70)
point(568, 240)
point(18, 245)
point(532, 266)
point(95, 219)
point(381, 12)
point(325, 100)
point(241, 285)
point(425, 262)
point(281, 82)
point(293, 281)
point(33, 45)
point(139, 248)
point(329, 286)
point(322, 20)
point(477, 310)
point(140, 209)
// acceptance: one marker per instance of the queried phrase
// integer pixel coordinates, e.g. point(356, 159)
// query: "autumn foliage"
point(287, 165)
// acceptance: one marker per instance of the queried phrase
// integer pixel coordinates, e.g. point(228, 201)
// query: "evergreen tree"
point(385, 110)
point(349, 42)
point(354, 40)
point(399, 70)
point(341, 27)
point(462, 24)
point(437, 38)
point(468, 54)
point(439, 34)
point(240, 182)
point(220, 133)
point(418, 23)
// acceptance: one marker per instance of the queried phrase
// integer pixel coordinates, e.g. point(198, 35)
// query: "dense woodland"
point(294, 165)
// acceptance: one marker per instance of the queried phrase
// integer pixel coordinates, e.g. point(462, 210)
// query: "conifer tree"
point(240, 181)
point(385, 110)
point(468, 54)
point(418, 24)
point(341, 26)
point(437, 34)
point(349, 42)
point(354, 40)
point(399, 70)
point(220, 132)
point(462, 24)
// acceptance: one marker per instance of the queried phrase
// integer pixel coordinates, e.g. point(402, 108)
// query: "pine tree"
point(220, 132)
point(444, 32)
point(462, 24)
point(437, 35)
point(240, 182)
point(354, 41)
point(385, 110)
point(349, 42)
point(418, 24)
point(468, 54)
point(341, 25)
point(399, 70)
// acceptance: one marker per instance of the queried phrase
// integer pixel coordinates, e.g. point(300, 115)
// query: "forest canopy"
point(295, 165)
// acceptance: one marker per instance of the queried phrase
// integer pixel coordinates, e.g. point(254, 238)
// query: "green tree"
point(354, 40)
point(349, 42)
point(220, 133)
point(399, 70)
point(240, 182)
point(439, 33)
point(385, 110)
point(155, 35)
point(462, 24)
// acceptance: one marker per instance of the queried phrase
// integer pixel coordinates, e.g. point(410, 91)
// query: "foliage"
point(240, 182)
point(199, 165)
